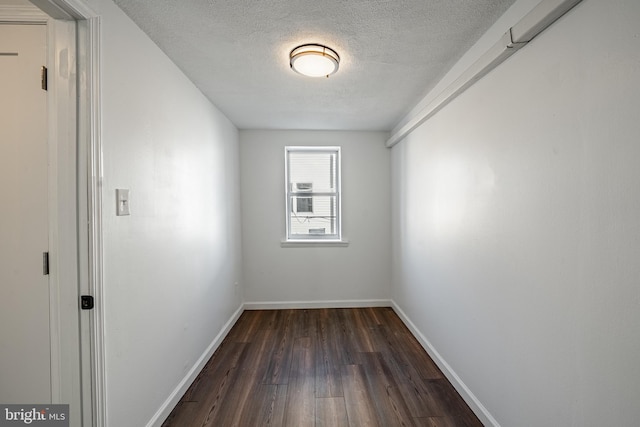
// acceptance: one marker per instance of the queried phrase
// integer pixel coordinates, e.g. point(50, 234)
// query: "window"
point(304, 204)
point(313, 193)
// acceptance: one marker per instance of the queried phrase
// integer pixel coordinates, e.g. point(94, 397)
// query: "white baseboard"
point(173, 399)
point(281, 305)
point(476, 406)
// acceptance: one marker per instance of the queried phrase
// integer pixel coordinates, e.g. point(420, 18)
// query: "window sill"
point(313, 243)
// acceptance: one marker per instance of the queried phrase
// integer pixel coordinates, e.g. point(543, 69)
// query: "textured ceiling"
point(392, 52)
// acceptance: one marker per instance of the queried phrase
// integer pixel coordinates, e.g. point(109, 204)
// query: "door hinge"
point(43, 77)
point(45, 263)
point(86, 302)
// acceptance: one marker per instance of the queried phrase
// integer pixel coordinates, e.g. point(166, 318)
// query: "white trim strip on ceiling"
point(532, 24)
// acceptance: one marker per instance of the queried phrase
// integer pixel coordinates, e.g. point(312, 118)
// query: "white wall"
point(171, 266)
point(516, 227)
point(361, 271)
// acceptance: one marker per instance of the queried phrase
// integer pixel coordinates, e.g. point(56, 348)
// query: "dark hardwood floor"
point(326, 367)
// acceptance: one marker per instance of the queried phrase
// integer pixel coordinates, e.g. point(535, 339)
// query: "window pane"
point(319, 222)
point(312, 171)
point(304, 204)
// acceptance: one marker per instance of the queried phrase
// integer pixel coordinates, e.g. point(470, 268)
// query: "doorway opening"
point(73, 201)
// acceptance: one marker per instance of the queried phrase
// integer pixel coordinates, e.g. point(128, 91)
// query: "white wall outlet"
point(122, 199)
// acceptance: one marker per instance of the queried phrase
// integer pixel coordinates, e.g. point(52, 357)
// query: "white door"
point(25, 361)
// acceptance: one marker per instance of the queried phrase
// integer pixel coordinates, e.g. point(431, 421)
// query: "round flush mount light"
point(314, 60)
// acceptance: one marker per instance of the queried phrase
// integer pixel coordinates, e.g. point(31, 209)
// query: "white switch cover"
point(122, 198)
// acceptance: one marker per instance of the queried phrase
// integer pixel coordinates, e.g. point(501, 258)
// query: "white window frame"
point(328, 238)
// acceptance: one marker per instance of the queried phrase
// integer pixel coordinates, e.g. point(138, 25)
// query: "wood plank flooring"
point(325, 367)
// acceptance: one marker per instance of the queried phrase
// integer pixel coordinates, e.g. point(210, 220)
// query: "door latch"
point(86, 302)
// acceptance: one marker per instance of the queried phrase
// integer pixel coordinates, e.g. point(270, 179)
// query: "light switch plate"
point(122, 200)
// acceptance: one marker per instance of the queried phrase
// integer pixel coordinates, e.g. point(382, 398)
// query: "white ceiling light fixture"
point(314, 60)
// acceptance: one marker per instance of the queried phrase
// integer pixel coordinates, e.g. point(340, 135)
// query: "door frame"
point(75, 199)
point(89, 199)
